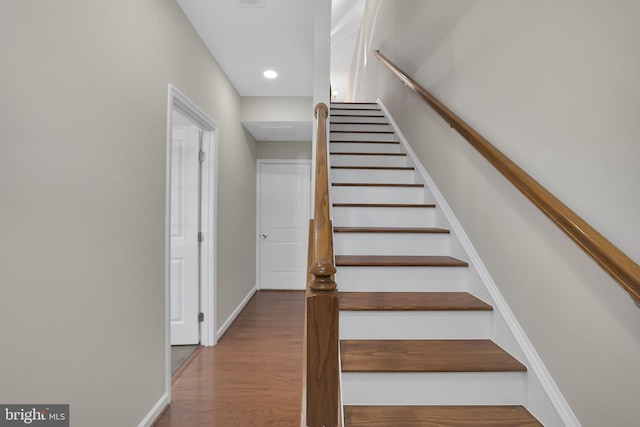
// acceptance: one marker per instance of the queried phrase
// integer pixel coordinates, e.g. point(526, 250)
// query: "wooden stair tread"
point(347, 141)
point(372, 184)
point(348, 153)
point(360, 116)
point(361, 123)
point(426, 356)
point(439, 416)
point(383, 205)
point(431, 230)
point(340, 112)
point(394, 168)
point(362, 131)
point(373, 110)
point(399, 261)
point(395, 301)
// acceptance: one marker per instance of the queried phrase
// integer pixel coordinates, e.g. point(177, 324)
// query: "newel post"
point(322, 302)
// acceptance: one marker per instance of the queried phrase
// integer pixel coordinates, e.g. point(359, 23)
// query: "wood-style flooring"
point(253, 377)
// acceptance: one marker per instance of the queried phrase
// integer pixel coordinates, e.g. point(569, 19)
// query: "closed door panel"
point(185, 224)
point(284, 223)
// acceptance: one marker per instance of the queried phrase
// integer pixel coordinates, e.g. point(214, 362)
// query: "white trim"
point(536, 365)
point(259, 163)
point(155, 412)
point(167, 252)
point(208, 266)
point(340, 388)
point(235, 313)
point(208, 214)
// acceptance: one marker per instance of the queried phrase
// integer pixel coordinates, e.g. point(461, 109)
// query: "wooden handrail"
point(321, 404)
point(615, 262)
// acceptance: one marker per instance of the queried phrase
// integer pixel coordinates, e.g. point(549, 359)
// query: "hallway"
point(253, 377)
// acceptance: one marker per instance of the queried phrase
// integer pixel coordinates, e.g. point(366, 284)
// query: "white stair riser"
point(415, 324)
point(361, 147)
point(383, 217)
point(365, 160)
point(441, 388)
point(355, 194)
point(360, 126)
point(401, 279)
point(388, 176)
point(391, 244)
point(357, 136)
point(341, 117)
point(354, 106)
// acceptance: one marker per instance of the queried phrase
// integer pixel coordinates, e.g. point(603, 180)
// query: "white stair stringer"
point(361, 206)
point(404, 388)
point(535, 389)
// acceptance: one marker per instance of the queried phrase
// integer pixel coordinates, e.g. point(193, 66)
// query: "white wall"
point(82, 190)
point(554, 85)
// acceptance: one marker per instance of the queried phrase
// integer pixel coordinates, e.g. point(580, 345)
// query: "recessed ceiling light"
point(270, 74)
point(251, 3)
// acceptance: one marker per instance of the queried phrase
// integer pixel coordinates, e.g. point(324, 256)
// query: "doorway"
point(190, 236)
point(284, 210)
point(186, 196)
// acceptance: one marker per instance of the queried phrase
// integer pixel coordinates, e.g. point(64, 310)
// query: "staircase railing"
point(321, 389)
point(615, 262)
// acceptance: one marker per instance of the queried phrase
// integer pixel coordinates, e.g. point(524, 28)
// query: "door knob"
point(264, 236)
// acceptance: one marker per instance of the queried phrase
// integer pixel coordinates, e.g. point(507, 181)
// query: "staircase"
point(415, 344)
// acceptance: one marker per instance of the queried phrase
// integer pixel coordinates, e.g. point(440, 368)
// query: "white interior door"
point(285, 192)
point(185, 225)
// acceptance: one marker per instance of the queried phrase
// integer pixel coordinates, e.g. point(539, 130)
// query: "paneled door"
point(285, 200)
point(185, 226)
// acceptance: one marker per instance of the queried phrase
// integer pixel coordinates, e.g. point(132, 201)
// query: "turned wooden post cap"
point(322, 272)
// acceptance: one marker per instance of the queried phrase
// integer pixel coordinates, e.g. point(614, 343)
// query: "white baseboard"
point(235, 313)
point(537, 367)
point(155, 412)
point(164, 401)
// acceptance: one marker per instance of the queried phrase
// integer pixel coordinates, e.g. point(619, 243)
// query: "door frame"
point(260, 162)
point(208, 215)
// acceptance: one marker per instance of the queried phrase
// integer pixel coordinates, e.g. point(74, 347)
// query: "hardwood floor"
point(253, 377)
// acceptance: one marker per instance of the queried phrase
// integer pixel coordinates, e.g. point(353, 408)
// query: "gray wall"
point(279, 109)
point(284, 150)
point(554, 85)
point(82, 190)
point(276, 109)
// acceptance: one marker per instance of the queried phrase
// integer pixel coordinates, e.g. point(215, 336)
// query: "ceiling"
point(248, 37)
